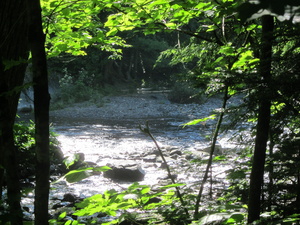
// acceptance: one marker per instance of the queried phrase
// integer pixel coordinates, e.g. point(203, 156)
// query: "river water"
point(105, 140)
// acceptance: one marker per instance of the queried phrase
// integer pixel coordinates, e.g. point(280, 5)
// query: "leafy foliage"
point(72, 26)
point(115, 205)
point(76, 89)
point(25, 144)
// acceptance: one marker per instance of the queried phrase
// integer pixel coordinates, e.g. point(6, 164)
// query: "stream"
point(105, 140)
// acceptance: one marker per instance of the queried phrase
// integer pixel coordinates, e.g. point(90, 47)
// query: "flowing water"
point(106, 141)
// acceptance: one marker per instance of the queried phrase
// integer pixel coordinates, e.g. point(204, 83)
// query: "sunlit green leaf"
point(69, 222)
point(172, 185)
point(228, 50)
point(101, 169)
point(78, 175)
point(145, 190)
point(194, 122)
point(62, 215)
point(219, 158)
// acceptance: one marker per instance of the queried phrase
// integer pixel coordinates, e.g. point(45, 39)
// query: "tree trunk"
point(13, 57)
point(271, 173)
point(262, 128)
point(41, 111)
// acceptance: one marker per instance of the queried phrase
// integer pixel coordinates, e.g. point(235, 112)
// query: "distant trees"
point(137, 63)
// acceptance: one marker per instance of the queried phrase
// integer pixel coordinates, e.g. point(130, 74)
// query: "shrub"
point(183, 93)
point(75, 89)
point(25, 143)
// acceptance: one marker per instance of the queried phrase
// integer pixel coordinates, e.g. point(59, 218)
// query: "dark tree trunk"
point(262, 129)
point(271, 174)
point(41, 111)
point(298, 191)
point(13, 54)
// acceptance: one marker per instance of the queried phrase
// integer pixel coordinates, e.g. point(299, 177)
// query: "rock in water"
point(26, 109)
point(129, 173)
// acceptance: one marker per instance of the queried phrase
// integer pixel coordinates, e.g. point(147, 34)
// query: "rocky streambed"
point(110, 135)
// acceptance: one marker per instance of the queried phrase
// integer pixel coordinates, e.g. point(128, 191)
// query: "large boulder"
point(124, 171)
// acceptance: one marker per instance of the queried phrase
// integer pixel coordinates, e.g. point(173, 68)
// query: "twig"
point(146, 131)
point(213, 145)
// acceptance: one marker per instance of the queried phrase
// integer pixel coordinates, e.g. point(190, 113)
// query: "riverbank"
point(136, 106)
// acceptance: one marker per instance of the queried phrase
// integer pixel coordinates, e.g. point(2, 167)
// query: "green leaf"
point(196, 121)
point(171, 186)
point(145, 190)
point(78, 175)
point(124, 205)
point(236, 175)
point(228, 50)
point(69, 222)
point(219, 158)
point(237, 217)
point(66, 11)
point(53, 4)
point(219, 59)
point(62, 215)
point(245, 60)
point(12, 63)
point(145, 199)
point(292, 218)
point(101, 169)
point(112, 32)
point(62, 46)
point(202, 5)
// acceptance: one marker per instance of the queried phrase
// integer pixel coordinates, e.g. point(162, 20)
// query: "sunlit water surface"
point(104, 141)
